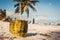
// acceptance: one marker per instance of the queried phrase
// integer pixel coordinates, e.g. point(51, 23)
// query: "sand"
point(35, 32)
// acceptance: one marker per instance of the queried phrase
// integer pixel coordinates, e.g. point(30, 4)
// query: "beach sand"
point(35, 32)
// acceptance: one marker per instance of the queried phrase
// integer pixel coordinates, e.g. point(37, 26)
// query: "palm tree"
point(2, 13)
point(4, 16)
point(24, 6)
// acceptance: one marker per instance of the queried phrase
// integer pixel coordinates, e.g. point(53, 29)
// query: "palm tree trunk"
point(20, 11)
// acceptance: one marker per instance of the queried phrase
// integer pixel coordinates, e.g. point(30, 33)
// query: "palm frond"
point(32, 7)
point(27, 13)
point(17, 10)
point(34, 2)
point(22, 11)
point(16, 5)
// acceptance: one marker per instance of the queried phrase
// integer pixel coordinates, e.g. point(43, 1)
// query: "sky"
point(46, 9)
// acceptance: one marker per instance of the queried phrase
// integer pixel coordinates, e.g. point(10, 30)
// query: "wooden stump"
point(18, 27)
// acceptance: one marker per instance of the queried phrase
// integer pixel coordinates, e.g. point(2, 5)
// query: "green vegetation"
point(24, 6)
point(2, 14)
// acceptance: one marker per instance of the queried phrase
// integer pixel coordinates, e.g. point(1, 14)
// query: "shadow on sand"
point(52, 35)
point(30, 34)
point(55, 35)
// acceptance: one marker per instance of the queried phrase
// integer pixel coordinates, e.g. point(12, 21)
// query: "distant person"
point(33, 20)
